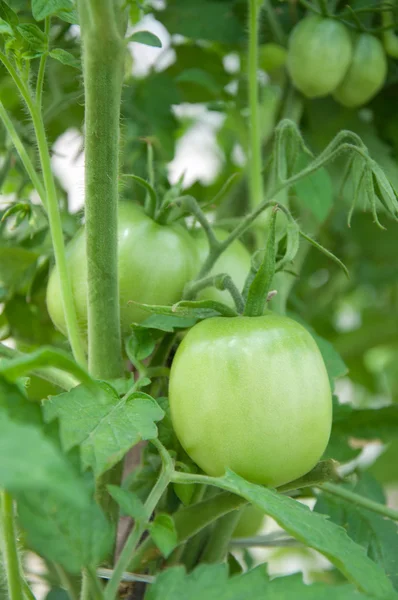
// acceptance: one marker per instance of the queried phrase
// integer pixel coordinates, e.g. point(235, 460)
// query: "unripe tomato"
point(250, 522)
point(235, 261)
point(155, 263)
point(251, 394)
point(319, 55)
point(366, 73)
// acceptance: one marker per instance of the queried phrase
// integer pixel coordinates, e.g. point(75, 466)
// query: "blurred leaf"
point(212, 20)
point(66, 58)
point(105, 426)
point(315, 191)
point(199, 77)
point(380, 423)
point(45, 8)
point(15, 266)
point(147, 38)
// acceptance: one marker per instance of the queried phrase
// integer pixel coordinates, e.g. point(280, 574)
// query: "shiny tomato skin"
point(366, 73)
point(235, 261)
point(155, 263)
point(251, 394)
point(319, 55)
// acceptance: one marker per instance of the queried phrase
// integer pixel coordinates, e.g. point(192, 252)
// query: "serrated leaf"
point(201, 309)
point(66, 58)
point(129, 503)
point(45, 8)
point(378, 536)
point(212, 583)
point(316, 532)
point(60, 533)
point(147, 38)
point(34, 36)
point(163, 533)
point(105, 426)
point(167, 323)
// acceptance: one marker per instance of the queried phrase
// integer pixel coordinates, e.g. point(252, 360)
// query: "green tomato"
point(251, 394)
point(155, 263)
point(235, 261)
point(250, 522)
point(366, 74)
point(319, 55)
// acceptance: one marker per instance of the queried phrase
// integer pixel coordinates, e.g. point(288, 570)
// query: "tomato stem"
point(338, 490)
point(217, 545)
point(10, 552)
point(254, 160)
point(103, 60)
point(221, 281)
point(51, 204)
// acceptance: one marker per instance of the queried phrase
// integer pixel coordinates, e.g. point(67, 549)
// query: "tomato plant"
point(166, 250)
point(205, 193)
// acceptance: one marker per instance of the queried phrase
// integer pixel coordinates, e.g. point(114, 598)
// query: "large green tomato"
point(251, 394)
point(235, 261)
point(155, 263)
point(319, 55)
point(366, 74)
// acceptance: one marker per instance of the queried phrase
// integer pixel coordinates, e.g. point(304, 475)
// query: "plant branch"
point(222, 282)
point(9, 549)
point(23, 155)
point(381, 509)
point(139, 527)
point(42, 67)
point(255, 162)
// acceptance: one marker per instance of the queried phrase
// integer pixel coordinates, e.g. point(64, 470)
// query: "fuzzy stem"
point(217, 545)
point(23, 155)
point(103, 60)
point(10, 552)
point(42, 68)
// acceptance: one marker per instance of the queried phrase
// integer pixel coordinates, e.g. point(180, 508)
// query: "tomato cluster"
point(324, 58)
point(246, 393)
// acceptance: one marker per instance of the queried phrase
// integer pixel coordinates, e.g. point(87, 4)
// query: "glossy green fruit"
point(235, 261)
point(251, 394)
point(250, 522)
point(155, 263)
point(366, 74)
point(319, 55)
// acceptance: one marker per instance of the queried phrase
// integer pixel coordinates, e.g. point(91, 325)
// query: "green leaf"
point(147, 38)
point(378, 536)
point(30, 462)
point(380, 423)
point(315, 191)
point(164, 534)
point(60, 533)
point(168, 323)
point(7, 14)
point(34, 36)
point(129, 503)
point(212, 583)
point(317, 532)
point(5, 28)
point(66, 58)
point(212, 20)
point(45, 8)
point(16, 266)
point(199, 77)
point(105, 426)
point(260, 285)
